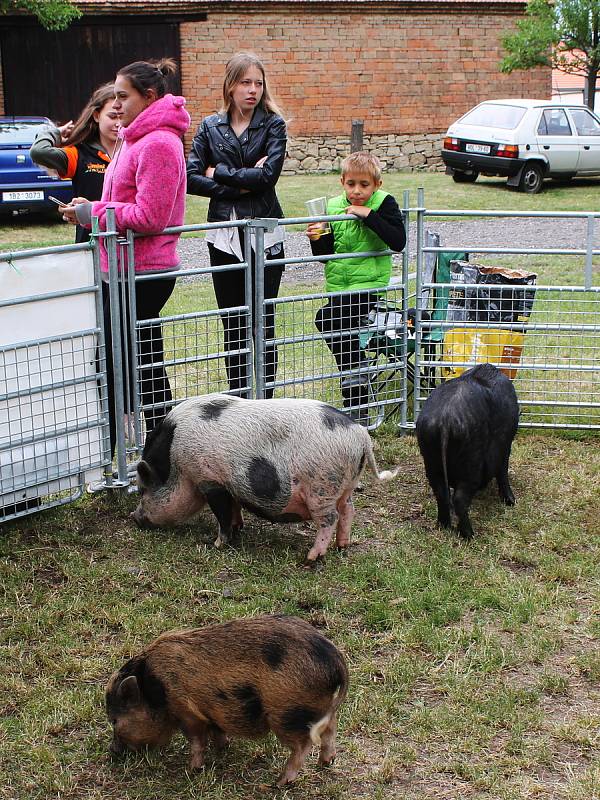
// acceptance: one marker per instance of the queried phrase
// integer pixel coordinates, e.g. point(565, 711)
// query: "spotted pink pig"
point(285, 460)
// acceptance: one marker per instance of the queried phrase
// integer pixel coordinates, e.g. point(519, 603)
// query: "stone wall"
point(396, 152)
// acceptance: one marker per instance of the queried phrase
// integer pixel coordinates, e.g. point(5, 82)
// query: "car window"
point(554, 122)
point(18, 132)
point(494, 116)
point(585, 122)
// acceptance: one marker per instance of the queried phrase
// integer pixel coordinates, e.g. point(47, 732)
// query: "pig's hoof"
point(326, 761)
point(286, 779)
point(314, 564)
point(219, 542)
point(221, 743)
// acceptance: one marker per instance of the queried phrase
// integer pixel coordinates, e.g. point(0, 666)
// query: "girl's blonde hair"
point(86, 128)
point(237, 65)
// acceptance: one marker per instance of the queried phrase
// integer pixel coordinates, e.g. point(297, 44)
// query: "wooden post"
point(356, 135)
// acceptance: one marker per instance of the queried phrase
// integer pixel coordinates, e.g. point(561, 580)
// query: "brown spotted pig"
point(285, 460)
point(242, 678)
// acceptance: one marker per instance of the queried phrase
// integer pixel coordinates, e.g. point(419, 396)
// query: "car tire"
point(465, 177)
point(532, 178)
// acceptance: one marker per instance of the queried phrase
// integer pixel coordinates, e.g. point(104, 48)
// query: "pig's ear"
point(145, 475)
point(128, 692)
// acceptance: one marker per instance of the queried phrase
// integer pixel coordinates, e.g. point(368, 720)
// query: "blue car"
point(23, 185)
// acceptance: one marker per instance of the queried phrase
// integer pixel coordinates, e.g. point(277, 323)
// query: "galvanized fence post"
point(589, 255)
point(257, 309)
point(259, 227)
point(405, 263)
point(418, 330)
point(134, 370)
point(117, 349)
point(250, 316)
point(102, 387)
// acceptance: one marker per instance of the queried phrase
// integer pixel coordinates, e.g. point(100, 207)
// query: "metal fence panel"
point(545, 337)
point(200, 349)
point(53, 423)
point(360, 366)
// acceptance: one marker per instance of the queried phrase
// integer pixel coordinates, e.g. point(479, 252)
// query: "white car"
point(524, 140)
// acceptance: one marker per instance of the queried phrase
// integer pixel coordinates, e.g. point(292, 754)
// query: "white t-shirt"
point(228, 241)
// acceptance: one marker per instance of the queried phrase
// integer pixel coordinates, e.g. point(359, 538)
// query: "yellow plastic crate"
point(481, 346)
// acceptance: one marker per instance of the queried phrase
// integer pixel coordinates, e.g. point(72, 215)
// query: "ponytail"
point(145, 75)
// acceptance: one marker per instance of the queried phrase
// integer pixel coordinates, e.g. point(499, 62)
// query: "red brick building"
point(406, 68)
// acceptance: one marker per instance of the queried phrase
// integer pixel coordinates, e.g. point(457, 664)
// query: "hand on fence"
point(358, 211)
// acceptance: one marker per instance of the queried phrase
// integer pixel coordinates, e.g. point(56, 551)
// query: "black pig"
point(465, 432)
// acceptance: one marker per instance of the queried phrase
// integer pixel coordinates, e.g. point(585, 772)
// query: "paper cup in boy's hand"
point(317, 207)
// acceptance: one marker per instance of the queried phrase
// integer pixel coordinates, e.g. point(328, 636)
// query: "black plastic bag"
point(500, 296)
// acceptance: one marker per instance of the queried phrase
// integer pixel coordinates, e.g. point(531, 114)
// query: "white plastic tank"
point(50, 412)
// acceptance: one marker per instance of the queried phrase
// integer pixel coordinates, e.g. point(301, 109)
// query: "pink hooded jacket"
point(146, 183)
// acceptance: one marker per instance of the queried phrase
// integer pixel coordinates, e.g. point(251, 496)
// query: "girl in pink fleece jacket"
point(146, 185)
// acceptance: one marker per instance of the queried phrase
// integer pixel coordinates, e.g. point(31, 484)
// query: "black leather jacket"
point(216, 145)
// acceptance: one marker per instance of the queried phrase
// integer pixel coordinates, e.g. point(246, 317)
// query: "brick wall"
point(404, 74)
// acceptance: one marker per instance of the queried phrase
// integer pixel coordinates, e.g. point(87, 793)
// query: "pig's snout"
point(140, 519)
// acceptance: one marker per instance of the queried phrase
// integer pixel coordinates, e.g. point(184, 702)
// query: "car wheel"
point(465, 177)
point(532, 179)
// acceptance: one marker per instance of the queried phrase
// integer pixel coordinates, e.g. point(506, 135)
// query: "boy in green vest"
point(378, 226)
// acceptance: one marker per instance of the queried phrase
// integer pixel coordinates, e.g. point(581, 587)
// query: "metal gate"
point(545, 337)
point(53, 411)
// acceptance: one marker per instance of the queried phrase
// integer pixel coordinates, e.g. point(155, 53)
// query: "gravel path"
point(492, 232)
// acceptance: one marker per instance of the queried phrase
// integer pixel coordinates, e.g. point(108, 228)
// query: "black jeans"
point(345, 312)
point(230, 292)
point(150, 297)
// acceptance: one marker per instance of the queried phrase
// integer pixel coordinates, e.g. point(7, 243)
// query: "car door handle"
point(586, 147)
point(546, 147)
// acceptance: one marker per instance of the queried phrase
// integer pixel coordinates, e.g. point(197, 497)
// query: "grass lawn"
point(475, 668)
point(440, 192)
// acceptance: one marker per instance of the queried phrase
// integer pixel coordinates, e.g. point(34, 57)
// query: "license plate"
point(15, 197)
point(477, 148)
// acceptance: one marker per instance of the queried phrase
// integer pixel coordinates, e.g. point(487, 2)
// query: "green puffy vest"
point(351, 236)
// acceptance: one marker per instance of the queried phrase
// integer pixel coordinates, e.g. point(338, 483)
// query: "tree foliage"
point(564, 34)
point(56, 15)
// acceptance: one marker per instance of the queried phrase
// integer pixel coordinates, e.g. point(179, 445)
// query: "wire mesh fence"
point(377, 354)
point(505, 311)
point(347, 349)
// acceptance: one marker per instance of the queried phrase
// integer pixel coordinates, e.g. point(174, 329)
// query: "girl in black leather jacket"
point(236, 159)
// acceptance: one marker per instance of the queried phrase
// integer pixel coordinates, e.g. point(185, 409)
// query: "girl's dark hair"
point(144, 75)
point(86, 128)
